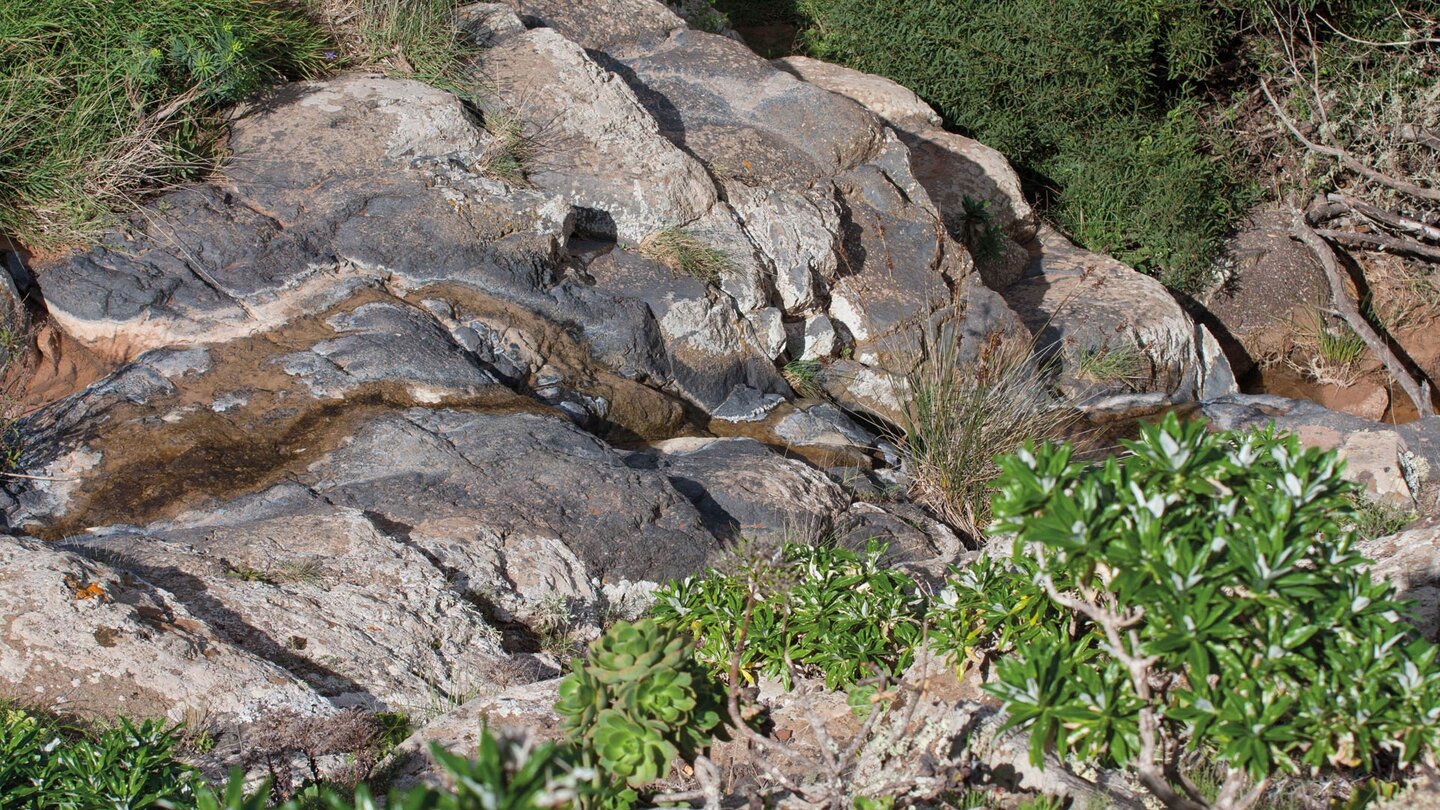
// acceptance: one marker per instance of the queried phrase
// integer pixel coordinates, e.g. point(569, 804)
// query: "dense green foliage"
point(829, 612)
point(128, 765)
point(1084, 97)
point(1111, 111)
point(102, 97)
point(637, 701)
point(1231, 560)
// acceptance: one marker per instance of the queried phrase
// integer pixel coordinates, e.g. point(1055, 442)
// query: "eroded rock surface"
point(388, 397)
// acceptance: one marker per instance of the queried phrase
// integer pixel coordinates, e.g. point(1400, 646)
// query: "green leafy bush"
point(1214, 602)
point(636, 702)
point(104, 97)
point(127, 765)
point(834, 614)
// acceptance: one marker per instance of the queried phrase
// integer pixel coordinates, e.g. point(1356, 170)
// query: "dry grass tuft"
point(685, 254)
point(963, 415)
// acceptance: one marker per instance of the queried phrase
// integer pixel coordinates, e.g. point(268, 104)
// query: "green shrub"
point(831, 612)
point(1086, 99)
point(128, 765)
point(1213, 601)
point(636, 702)
point(102, 98)
point(1147, 192)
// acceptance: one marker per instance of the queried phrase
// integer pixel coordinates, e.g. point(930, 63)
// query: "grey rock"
point(431, 366)
point(1411, 560)
point(745, 490)
point(603, 151)
point(1390, 462)
point(82, 637)
point(824, 425)
point(741, 116)
point(361, 616)
point(812, 339)
point(1077, 302)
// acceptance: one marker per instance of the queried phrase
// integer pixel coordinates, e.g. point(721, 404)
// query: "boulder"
point(1378, 456)
point(87, 638)
point(1081, 304)
point(1411, 560)
point(743, 490)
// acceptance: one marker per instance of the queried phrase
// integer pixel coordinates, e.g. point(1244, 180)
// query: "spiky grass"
point(418, 39)
point(1123, 362)
point(102, 101)
point(1330, 353)
point(1372, 519)
point(961, 416)
point(507, 156)
point(805, 377)
point(684, 253)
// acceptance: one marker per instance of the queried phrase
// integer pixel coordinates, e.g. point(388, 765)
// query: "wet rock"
point(431, 365)
point(83, 637)
point(825, 426)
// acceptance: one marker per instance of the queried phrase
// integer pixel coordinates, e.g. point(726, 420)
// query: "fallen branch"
point(1418, 392)
point(1388, 244)
point(1414, 134)
point(1399, 222)
point(1348, 160)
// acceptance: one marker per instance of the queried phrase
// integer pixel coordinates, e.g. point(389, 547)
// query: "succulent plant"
point(638, 700)
point(635, 752)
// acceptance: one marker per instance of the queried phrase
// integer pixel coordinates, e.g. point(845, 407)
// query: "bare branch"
point(1346, 159)
point(1418, 392)
point(1401, 43)
point(1400, 222)
point(1148, 763)
point(1414, 134)
point(1381, 242)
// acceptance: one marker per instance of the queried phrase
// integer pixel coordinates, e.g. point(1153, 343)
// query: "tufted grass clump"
point(962, 415)
point(686, 254)
point(103, 99)
point(805, 376)
point(1121, 362)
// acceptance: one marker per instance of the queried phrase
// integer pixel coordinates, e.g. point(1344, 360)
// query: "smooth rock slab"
point(79, 636)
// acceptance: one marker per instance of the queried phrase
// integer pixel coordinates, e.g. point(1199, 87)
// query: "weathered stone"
point(525, 711)
point(1077, 302)
point(602, 152)
point(741, 116)
point(895, 103)
point(612, 26)
point(82, 637)
point(744, 490)
point(1411, 560)
point(1378, 456)
point(431, 365)
point(797, 232)
point(812, 339)
point(335, 596)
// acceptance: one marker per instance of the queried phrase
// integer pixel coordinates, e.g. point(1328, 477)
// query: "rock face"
point(1391, 462)
point(1411, 560)
point(407, 385)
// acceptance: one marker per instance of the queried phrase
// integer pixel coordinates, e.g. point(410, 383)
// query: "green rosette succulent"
point(638, 700)
point(635, 752)
point(630, 652)
point(667, 696)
